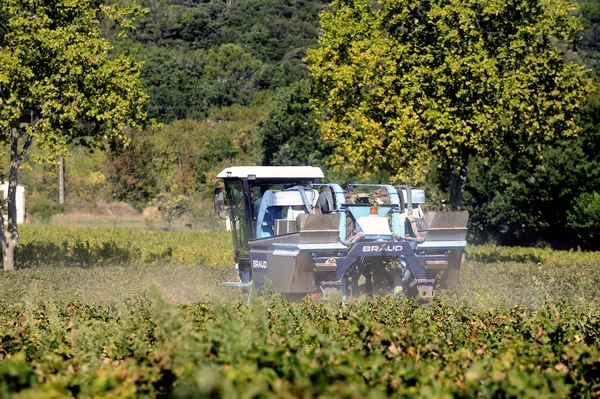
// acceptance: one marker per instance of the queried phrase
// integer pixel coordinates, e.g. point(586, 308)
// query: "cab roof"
point(271, 172)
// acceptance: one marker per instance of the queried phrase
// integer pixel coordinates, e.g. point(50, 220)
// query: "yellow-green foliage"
point(55, 68)
point(493, 253)
point(398, 81)
point(58, 246)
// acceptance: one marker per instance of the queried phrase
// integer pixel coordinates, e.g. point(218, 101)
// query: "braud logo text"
point(259, 264)
point(382, 248)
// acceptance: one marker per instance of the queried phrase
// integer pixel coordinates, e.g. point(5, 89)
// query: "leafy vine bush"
point(511, 329)
point(146, 347)
point(60, 246)
point(57, 246)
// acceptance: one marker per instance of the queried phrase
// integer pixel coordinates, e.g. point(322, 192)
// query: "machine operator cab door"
point(240, 194)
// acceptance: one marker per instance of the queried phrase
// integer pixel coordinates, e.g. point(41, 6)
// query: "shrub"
point(584, 219)
point(45, 209)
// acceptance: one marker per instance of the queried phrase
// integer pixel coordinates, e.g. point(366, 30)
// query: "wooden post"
point(61, 180)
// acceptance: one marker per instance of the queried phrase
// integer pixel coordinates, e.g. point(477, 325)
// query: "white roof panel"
point(272, 172)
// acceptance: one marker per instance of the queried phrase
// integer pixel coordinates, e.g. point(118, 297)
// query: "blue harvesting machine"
point(309, 237)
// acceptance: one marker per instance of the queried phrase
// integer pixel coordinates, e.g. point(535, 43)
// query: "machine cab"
point(239, 197)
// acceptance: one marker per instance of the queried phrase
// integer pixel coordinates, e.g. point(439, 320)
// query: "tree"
point(176, 147)
point(131, 174)
point(526, 199)
point(172, 206)
point(290, 135)
point(585, 219)
point(60, 86)
point(219, 147)
point(590, 17)
point(232, 76)
point(173, 80)
point(589, 47)
point(174, 39)
point(399, 83)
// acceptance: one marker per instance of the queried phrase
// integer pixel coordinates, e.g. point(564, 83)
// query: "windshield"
point(234, 191)
point(258, 189)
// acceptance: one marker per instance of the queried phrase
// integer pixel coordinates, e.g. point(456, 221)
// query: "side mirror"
point(219, 201)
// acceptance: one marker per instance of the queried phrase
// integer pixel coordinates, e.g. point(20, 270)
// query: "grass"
point(481, 284)
point(175, 282)
point(527, 284)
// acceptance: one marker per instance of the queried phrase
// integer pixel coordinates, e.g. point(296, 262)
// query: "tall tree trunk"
point(458, 182)
point(8, 250)
point(10, 237)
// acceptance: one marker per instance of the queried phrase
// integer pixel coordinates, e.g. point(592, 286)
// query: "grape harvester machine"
point(309, 237)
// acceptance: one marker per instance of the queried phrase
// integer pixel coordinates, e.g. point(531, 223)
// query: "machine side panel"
point(279, 259)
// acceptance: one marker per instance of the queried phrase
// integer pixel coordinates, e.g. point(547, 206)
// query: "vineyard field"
point(522, 323)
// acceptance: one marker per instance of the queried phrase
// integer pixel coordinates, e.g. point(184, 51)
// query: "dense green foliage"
point(585, 216)
point(365, 349)
point(589, 13)
point(289, 133)
point(132, 175)
point(182, 157)
point(45, 209)
point(517, 329)
point(56, 75)
point(399, 82)
point(532, 197)
point(200, 55)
